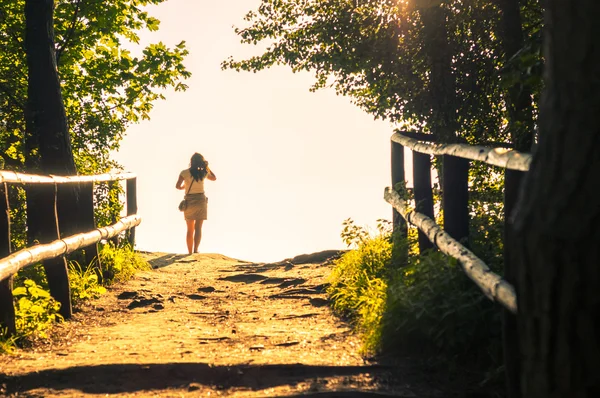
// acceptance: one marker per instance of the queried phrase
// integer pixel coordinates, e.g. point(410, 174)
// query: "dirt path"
point(208, 325)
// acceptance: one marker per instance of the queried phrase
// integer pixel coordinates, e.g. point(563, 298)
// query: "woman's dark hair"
point(198, 167)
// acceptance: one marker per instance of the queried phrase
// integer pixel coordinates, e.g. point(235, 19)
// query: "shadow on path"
point(165, 260)
point(343, 394)
point(128, 378)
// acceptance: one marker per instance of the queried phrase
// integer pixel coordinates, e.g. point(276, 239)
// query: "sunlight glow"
point(291, 165)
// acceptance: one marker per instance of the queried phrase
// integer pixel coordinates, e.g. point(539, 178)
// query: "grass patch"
point(84, 282)
point(8, 345)
point(119, 264)
point(428, 307)
point(358, 288)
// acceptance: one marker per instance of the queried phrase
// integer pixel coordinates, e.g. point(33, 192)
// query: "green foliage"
point(433, 306)
point(108, 203)
point(35, 310)
point(358, 287)
point(486, 209)
point(404, 192)
point(353, 235)
point(18, 215)
point(84, 283)
point(104, 86)
point(119, 264)
point(430, 305)
point(7, 344)
point(375, 53)
point(35, 273)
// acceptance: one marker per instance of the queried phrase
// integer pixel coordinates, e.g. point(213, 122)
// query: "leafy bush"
point(107, 202)
point(35, 273)
point(486, 210)
point(429, 305)
point(119, 264)
point(35, 310)
point(84, 283)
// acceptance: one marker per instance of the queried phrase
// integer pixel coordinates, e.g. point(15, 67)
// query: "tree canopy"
point(375, 52)
point(105, 87)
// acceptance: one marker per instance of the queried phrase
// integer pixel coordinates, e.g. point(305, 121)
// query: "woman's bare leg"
point(197, 234)
point(189, 236)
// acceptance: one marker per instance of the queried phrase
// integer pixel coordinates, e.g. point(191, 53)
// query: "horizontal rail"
point(22, 178)
point(506, 158)
point(492, 285)
point(12, 264)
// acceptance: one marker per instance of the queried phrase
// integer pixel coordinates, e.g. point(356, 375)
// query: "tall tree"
point(520, 125)
point(443, 116)
point(48, 144)
point(442, 83)
point(558, 217)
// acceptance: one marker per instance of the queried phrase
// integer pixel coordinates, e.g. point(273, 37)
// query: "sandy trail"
point(207, 325)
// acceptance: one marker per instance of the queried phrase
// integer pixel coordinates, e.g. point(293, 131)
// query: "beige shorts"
point(197, 207)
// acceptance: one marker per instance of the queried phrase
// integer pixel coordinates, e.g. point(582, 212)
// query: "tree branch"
point(69, 35)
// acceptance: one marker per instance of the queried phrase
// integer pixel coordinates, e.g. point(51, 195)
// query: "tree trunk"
point(442, 84)
point(7, 309)
point(443, 120)
point(557, 222)
point(48, 147)
point(520, 114)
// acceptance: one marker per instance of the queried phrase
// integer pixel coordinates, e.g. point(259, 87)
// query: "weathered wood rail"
point(87, 238)
point(492, 285)
point(456, 160)
point(448, 239)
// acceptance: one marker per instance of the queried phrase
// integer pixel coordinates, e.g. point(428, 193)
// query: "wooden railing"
point(431, 234)
point(88, 236)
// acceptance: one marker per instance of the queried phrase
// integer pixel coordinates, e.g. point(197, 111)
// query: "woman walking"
point(192, 181)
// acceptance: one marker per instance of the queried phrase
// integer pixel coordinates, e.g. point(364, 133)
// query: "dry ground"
point(208, 325)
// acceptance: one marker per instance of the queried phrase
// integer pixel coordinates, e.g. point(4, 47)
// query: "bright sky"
point(291, 165)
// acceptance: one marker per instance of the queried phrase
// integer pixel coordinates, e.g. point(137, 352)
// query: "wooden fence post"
point(112, 185)
point(455, 185)
point(7, 308)
point(86, 219)
point(423, 193)
point(398, 176)
point(400, 227)
point(131, 207)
